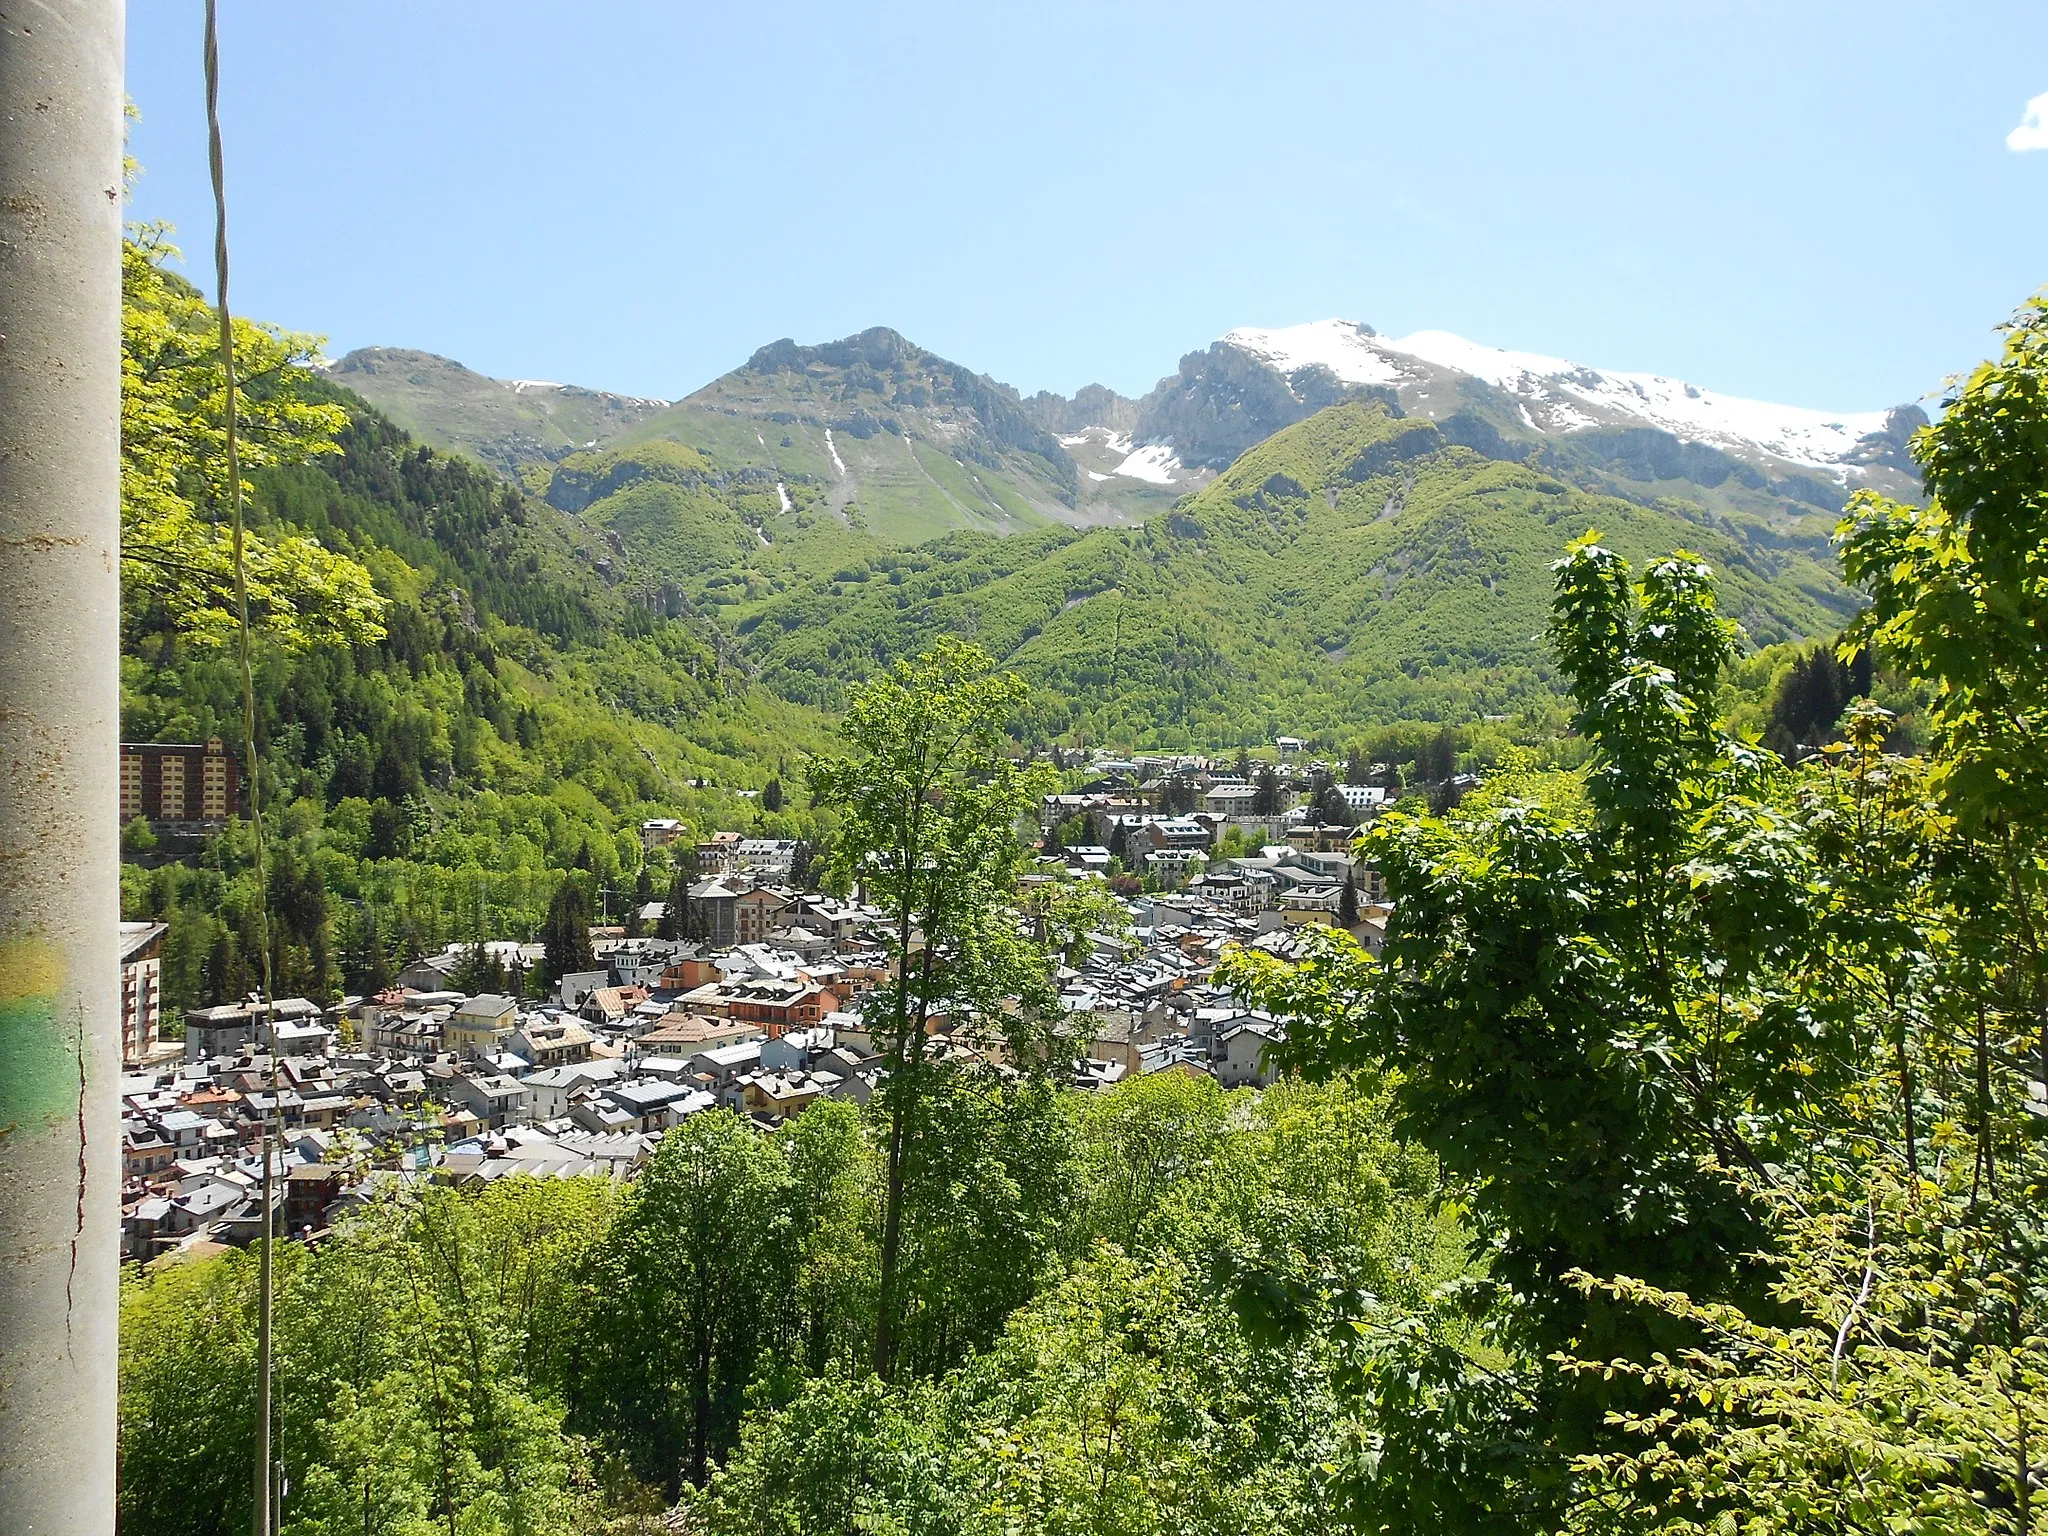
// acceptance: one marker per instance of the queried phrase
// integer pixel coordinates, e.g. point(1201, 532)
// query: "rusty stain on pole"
point(60, 1052)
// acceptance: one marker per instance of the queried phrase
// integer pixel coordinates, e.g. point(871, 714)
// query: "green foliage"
point(1957, 594)
point(418, 1360)
point(682, 1298)
point(518, 716)
point(1886, 1405)
point(566, 935)
point(1810, 698)
point(1900, 1381)
point(1606, 1011)
point(1186, 1378)
point(928, 803)
point(176, 555)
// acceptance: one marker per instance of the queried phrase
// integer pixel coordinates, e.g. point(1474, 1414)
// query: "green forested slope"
point(531, 699)
point(1354, 568)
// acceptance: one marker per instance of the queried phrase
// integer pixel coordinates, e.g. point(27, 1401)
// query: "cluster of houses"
point(758, 1013)
point(1299, 866)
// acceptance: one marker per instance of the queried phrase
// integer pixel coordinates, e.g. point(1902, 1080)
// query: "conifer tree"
point(565, 940)
point(1267, 801)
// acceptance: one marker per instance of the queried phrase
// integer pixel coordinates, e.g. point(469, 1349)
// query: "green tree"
point(1897, 1379)
point(929, 801)
point(1078, 914)
point(565, 939)
point(833, 1171)
point(1600, 1026)
point(1267, 801)
point(1327, 804)
point(174, 483)
point(1958, 600)
point(687, 1290)
point(1437, 760)
point(414, 1348)
point(1141, 1140)
point(988, 1167)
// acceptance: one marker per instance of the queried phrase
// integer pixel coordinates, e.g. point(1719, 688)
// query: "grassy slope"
point(453, 407)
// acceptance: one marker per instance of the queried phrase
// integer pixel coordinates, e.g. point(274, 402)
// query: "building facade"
point(142, 948)
point(178, 785)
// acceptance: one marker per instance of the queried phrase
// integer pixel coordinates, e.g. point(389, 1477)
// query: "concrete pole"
point(60, 1000)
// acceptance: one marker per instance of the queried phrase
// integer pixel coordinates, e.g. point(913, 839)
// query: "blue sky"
point(1807, 203)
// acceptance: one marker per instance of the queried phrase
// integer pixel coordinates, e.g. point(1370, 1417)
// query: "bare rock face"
point(878, 376)
point(1225, 400)
point(1892, 447)
point(1093, 405)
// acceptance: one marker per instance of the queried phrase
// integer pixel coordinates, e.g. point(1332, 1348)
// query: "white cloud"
point(2032, 132)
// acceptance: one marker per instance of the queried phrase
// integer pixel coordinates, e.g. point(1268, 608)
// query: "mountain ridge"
point(899, 444)
point(1252, 381)
point(512, 425)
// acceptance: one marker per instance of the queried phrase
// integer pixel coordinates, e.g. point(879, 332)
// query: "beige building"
point(180, 783)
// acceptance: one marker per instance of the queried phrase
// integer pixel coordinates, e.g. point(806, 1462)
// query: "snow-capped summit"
point(1556, 396)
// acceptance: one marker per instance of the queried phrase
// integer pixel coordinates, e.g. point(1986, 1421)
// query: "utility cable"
point(252, 775)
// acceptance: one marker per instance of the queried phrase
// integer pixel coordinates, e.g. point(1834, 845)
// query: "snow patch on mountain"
point(1556, 395)
point(1342, 346)
point(1820, 439)
point(1154, 463)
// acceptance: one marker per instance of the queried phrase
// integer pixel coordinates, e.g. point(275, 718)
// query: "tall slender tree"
point(929, 801)
point(565, 938)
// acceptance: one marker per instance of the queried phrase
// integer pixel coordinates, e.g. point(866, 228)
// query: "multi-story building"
point(482, 1024)
point(660, 831)
point(767, 855)
point(757, 911)
point(142, 948)
point(180, 786)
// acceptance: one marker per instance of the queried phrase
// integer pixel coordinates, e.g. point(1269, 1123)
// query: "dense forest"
point(499, 702)
point(1678, 1166)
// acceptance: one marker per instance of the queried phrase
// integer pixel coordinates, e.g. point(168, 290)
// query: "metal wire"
point(251, 775)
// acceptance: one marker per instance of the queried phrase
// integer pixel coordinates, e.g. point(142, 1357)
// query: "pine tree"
point(1267, 801)
point(368, 968)
point(565, 938)
point(1347, 904)
point(771, 797)
point(671, 924)
point(1437, 762)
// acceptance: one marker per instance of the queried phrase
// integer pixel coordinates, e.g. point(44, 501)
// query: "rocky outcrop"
point(1093, 405)
point(1892, 447)
point(1224, 400)
point(880, 372)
